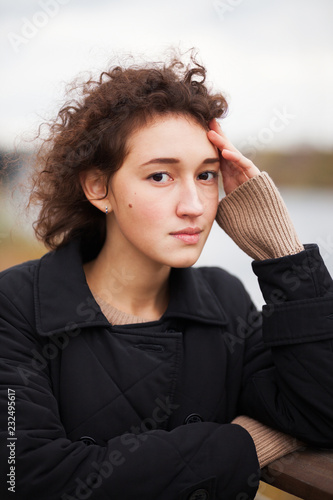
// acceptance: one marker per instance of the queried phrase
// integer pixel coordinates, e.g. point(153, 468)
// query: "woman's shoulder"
point(18, 278)
point(222, 282)
point(218, 276)
point(17, 295)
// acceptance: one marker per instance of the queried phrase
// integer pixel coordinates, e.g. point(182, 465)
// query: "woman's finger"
point(235, 167)
point(230, 153)
point(240, 161)
point(220, 140)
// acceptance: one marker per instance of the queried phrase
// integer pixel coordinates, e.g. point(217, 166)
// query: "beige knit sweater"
point(256, 218)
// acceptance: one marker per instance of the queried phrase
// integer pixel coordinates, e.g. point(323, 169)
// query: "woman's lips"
point(189, 235)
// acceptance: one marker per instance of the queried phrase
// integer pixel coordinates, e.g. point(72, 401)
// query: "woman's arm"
point(296, 394)
point(253, 212)
point(270, 444)
point(254, 215)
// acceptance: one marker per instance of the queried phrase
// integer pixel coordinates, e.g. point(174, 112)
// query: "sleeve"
point(270, 443)
point(255, 216)
point(295, 392)
point(39, 462)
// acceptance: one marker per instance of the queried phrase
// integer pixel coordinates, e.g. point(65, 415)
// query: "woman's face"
point(164, 197)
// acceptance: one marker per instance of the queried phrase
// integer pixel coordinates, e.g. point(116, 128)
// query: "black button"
point(87, 440)
point(199, 495)
point(193, 418)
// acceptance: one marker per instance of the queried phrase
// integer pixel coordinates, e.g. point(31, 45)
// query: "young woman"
point(129, 373)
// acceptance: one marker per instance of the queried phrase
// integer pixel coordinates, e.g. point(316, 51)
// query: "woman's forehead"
point(169, 133)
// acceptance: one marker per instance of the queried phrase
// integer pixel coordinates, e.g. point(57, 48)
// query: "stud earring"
point(106, 210)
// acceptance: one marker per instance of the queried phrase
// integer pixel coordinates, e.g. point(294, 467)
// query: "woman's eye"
point(160, 177)
point(207, 176)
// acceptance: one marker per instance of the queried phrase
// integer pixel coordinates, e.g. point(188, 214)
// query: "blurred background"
point(272, 59)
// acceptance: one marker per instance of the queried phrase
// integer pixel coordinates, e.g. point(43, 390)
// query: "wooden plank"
point(306, 473)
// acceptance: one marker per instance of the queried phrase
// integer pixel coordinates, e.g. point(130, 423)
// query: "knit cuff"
point(254, 215)
point(270, 444)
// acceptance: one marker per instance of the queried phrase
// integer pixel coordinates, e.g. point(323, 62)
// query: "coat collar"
point(64, 302)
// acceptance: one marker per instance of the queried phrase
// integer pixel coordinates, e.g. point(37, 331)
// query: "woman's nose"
point(189, 203)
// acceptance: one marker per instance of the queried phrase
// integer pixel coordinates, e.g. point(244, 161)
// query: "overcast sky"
point(273, 59)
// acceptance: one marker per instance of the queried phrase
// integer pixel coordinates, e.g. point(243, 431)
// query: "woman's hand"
point(235, 168)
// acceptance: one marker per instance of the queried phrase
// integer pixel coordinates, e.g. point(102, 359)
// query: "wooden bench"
point(306, 473)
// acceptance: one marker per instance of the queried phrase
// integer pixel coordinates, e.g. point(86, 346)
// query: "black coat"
point(103, 411)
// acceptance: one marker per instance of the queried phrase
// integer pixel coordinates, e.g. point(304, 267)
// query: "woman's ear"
point(93, 183)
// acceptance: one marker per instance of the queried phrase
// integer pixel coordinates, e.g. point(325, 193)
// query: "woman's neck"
point(132, 285)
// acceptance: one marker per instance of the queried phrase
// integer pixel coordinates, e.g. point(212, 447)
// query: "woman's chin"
point(186, 261)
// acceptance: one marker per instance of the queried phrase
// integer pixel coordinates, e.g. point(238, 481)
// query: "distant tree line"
point(301, 168)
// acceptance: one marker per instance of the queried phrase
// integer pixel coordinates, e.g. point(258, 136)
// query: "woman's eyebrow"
point(165, 161)
point(211, 160)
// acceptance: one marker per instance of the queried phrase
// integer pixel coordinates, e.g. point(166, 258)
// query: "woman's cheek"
point(211, 202)
point(153, 206)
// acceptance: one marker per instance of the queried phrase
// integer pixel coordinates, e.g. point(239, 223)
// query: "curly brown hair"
point(92, 132)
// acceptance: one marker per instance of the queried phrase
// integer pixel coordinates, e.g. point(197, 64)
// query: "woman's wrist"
point(255, 216)
point(270, 444)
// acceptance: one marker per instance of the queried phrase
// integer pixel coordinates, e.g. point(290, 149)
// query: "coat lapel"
point(63, 300)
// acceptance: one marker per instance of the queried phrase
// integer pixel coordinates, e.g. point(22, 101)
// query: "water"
point(312, 214)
